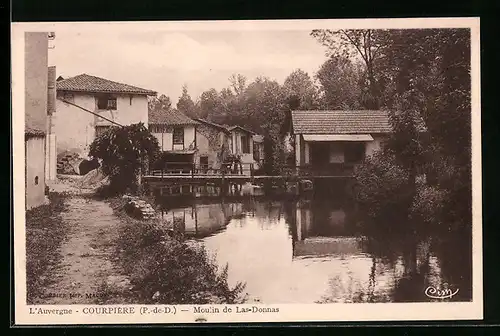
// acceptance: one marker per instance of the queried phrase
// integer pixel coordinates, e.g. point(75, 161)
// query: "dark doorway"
point(319, 154)
point(204, 163)
point(354, 152)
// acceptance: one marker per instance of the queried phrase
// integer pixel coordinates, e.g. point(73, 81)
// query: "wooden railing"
point(248, 169)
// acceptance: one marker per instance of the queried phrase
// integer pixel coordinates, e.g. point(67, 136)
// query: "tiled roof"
point(340, 122)
point(221, 127)
point(170, 117)
point(88, 83)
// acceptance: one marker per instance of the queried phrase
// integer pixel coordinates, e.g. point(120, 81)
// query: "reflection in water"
point(305, 251)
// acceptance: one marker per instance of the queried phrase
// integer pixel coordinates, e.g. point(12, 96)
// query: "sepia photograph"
point(248, 165)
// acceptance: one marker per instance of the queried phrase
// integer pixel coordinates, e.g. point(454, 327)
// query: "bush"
point(428, 204)
point(124, 151)
point(381, 191)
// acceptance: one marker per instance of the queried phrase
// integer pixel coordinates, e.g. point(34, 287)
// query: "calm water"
point(310, 250)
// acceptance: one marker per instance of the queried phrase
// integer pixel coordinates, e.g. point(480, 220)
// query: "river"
point(311, 251)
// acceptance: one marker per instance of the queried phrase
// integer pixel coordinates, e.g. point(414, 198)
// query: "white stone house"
point(88, 105)
point(176, 135)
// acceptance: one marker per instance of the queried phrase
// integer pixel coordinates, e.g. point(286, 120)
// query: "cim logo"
point(440, 293)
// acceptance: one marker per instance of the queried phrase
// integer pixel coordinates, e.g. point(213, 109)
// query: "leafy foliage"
point(300, 89)
point(381, 191)
point(428, 205)
point(185, 104)
point(124, 152)
point(366, 44)
point(161, 103)
point(341, 85)
point(426, 76)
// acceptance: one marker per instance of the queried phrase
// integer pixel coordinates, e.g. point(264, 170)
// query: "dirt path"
point(87, 272)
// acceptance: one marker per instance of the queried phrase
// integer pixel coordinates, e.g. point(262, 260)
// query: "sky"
point(165, 60)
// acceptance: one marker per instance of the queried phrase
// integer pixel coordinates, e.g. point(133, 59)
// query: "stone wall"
point(137, 208)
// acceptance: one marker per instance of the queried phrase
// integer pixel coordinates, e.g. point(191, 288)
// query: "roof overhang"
point(337, 137)
point(232, 128)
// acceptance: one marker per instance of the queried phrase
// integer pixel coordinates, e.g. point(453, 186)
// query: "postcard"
point(247, 171)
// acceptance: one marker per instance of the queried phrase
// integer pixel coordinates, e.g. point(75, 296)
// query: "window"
point(130, 99)
point(36, 180)
point(68, 96)
point(106, 102)
point(245, 144)
point(178, 136)
point(256, 149)
point(204, 162)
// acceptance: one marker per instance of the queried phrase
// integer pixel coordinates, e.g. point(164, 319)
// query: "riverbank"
point(82, 249)
point(166, 269)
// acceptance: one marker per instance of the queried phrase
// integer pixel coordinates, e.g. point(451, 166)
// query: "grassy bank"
point(45, 232)
point(164, 269)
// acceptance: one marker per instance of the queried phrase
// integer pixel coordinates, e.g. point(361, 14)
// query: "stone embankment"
point(135, 207)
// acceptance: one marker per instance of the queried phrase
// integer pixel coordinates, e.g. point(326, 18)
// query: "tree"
point(265, 107)
point(238, 83)
point(340, 81)
point(125, 152)
point(161, 103)
point(185, 104)
point(366, 44)
point(437, 68)
point(210, 104)
point(429, 75)
point(300, 91)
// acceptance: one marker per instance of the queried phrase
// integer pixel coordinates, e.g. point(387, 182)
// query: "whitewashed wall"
point(75, 128)
point(376, 144)
point(35, 172)
point(167, 136)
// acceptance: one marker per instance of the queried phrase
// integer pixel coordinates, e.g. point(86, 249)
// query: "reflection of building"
point(202, 219)
point(318, 229)
point(319, 219)
point(322, 246)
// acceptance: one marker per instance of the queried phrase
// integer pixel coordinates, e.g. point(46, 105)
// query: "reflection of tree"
point(411, 287)
point(389, 251)
point(454, 251)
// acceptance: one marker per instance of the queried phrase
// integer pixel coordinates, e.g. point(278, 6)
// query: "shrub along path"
point(88, 271)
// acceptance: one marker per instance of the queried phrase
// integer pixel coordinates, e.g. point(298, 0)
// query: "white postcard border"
point(287, 312)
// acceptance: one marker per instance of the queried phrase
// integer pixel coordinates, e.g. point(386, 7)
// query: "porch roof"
point(337, 137)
